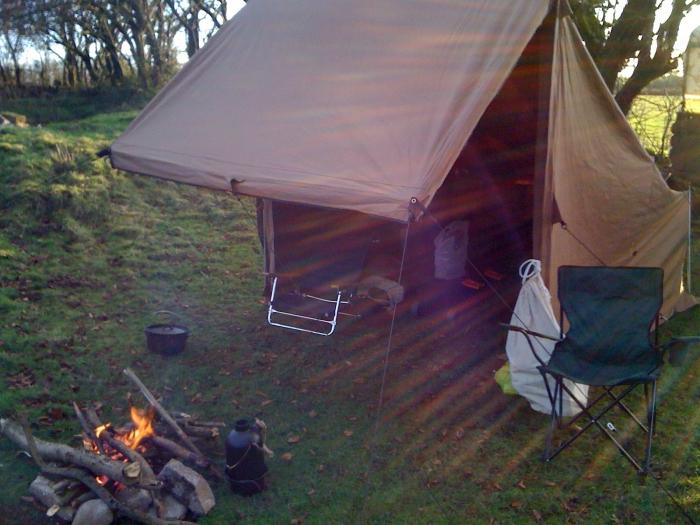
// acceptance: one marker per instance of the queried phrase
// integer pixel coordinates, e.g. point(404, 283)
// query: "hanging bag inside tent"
point(451, 251)
point(533, 311)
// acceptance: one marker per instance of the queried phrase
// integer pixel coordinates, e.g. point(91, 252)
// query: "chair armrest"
point(527, 332)
point(681, 341)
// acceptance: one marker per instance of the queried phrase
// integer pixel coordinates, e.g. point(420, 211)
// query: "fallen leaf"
point(23, 379)
point(570, 505)
point(321, 468)
point(537, 516)
point(459, 433)
point(347, 433)
point(297, 521)
point(266, 402)
point(358, 381)
point(521, 484)
point(293, 439)
point(56, 413)
point(287, 456)
point(311, 492)
point(313, 413)
point(515, 504)
point(550, 483)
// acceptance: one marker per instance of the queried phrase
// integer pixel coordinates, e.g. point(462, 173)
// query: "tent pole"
point(543, 205)
point(690, 237)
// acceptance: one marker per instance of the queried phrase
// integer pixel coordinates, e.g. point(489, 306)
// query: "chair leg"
point(561, 401)
point(554, 419)
point(651, 420)
point(593, 420)
point(625, 408)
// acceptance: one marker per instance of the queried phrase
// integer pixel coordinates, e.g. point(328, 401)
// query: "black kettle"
point(245, 458)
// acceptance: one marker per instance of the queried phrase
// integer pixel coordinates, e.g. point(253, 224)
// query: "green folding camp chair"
point(611, 313)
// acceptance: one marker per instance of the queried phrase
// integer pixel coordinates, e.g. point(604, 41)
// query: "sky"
point(689, 23)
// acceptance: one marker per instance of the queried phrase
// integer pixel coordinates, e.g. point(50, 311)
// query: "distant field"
point(652, 117)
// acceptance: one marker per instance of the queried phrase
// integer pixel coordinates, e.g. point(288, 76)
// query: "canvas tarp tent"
point(364, 105)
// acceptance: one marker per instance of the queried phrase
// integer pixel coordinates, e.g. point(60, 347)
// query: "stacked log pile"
point(113, 473)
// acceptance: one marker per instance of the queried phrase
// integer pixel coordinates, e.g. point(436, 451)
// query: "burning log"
point(86, 479)
point(163, 413)
point(89, 430)
point(113, 468)
point(127, 473)
point(105, 433)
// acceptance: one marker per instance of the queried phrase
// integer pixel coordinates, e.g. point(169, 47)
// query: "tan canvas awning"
point(358, 105)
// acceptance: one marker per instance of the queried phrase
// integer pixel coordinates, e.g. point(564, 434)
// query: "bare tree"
point(622, 33)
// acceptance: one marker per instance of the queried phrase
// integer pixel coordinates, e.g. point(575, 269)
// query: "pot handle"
point(169, 313)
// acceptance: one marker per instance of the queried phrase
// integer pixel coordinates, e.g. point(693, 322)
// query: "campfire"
point(113, 473)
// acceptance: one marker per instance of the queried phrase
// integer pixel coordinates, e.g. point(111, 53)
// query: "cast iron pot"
point(166, 338)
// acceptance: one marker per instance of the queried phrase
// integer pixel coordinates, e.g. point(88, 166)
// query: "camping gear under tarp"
point(533, 311)
point(364, 105)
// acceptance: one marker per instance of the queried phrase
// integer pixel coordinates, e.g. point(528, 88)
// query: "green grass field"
point(88, 254)
point(652, 116)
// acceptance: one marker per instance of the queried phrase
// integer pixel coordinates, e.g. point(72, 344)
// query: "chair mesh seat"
point(566, 362)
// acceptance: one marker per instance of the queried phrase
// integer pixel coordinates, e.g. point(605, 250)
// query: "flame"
point(142, 421)
point(99, 430)
point(143, 426)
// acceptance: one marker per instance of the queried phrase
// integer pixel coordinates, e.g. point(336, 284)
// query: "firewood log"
point(179, 451)
point(124, 472)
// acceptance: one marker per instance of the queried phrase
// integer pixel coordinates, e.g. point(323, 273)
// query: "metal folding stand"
point(329, 321)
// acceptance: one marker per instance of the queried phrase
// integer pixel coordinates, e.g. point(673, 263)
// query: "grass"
point(63, 105)
point(652, 116)
point(88, 254)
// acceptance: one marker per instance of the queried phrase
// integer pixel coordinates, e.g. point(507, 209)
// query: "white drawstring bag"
point(533, 311)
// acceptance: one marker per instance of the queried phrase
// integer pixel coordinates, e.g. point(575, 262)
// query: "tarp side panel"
point(357, 105)
point(268, 237)
point(608, 190)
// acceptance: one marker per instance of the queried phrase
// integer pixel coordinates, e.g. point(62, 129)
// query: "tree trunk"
point(3, 75)
point(636, 19)
point(14, 56)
